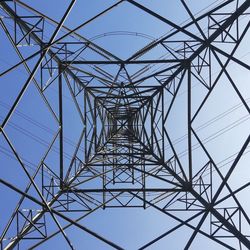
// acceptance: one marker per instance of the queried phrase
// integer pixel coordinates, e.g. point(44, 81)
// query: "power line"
point(209, 122)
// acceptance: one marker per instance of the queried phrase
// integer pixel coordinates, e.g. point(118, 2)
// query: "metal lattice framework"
point(125, 152)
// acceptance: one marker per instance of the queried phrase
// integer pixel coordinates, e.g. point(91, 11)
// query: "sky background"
point(223, 123)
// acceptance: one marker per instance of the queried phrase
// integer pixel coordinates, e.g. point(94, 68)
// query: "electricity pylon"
point(125, 152)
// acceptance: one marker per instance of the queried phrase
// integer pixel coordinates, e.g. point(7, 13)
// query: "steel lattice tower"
point(125, 156)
